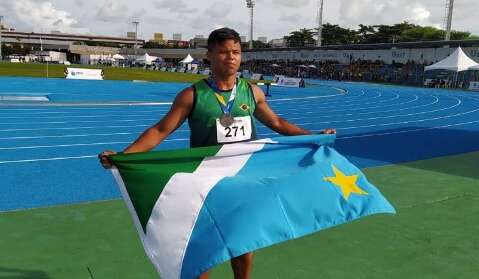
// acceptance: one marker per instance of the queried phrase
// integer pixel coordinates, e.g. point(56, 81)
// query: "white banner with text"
point(79, 73)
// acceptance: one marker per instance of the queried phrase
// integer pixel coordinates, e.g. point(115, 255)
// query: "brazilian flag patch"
point(244, 107)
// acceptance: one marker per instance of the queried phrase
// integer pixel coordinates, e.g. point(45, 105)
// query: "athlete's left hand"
point(328, 131)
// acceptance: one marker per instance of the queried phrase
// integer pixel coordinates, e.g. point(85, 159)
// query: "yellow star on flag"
point(347, 183)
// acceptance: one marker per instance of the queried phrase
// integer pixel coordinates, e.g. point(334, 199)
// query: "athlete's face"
point(225, 58)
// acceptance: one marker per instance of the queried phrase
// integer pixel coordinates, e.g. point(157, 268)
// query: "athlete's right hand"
point(105, 159)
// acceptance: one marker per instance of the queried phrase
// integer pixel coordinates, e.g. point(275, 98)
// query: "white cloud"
point(273, 18)
point(294, 18)
point(217, 15)
point(291, 3)
point(218, 10)
point(43, 16)
point(174, 6)
point(354, 12)
point(111, 10)
point(79, 3)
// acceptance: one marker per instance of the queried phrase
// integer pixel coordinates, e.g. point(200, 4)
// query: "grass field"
point(433, 235)
point(111, 73)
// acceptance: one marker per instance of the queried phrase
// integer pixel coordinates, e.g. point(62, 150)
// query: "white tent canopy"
point(187, 60)
point(146, 59)
point(458, 61)
point(118, 57)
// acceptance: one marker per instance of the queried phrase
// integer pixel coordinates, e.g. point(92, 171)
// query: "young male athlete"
point(219, 110)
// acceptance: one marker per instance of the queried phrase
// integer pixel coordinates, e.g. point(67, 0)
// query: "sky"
point(273, 18)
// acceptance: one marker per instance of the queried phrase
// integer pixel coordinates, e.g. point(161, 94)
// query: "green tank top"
point(206, 109)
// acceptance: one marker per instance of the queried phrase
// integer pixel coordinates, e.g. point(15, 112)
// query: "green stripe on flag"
point(144, 190)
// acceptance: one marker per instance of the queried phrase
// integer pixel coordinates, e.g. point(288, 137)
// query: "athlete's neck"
point(224, 83)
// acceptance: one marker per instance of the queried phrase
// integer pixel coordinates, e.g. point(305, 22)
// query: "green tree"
point(387, 33)
point(422, 33)
point(301, 38)
point(333, 34)
point(365, 32)
point(256, 44)
point(459, 35)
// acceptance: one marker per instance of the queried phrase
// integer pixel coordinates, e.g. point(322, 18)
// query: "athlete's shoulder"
point(185, 96)
point(200, 82)
point(257, 92)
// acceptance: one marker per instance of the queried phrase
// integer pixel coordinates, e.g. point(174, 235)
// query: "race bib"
point(240, 130)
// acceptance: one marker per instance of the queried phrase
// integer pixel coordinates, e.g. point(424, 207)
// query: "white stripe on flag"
point(175, 213)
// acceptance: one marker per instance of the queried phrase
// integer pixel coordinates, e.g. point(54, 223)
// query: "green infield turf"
point(111, 73)
point(433, 235)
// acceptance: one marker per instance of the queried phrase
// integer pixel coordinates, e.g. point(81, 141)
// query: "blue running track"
point(48, 149)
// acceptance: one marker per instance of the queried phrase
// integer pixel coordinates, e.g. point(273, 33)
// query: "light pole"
point(1, 27)
point(250, 6)
point(136, 34)
point(449, 9)
point(320, 23)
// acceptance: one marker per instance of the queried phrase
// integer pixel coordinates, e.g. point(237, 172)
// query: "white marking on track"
point(47, 159)
point(77, 144)
point(382, 117)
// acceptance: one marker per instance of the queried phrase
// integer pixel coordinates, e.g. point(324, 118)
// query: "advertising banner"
point(287, 81)
point(79, 73)
point(474, 85)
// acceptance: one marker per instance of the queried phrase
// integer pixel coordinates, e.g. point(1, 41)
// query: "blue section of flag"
point(280, 194)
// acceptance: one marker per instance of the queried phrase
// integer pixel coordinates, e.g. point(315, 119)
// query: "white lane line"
point(381, 117)
point(68, 136)
point(345, 128)
point(143, 125)
point(289, 118)
point(87, 104)
point(85, 121)
point(341, 101)
point(71, 128)
point(265, 134)
point(185, 130)
point(133, 104)
point(412, 121)
point(91, 116)
point(304, 98)
point(268, 134)
point(351, 109)
point(47, 159)
point(408, 131)
point(327, 106)
point(390, 133)
point(80, 144)
point(369, 112)
point(29, 116)
point(300, 99)
point(64, 145)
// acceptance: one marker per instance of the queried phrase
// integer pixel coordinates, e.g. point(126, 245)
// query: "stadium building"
point(417, 52)
point(73, 45)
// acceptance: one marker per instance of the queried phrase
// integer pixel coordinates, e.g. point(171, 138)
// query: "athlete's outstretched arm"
point(268, 117)
point(179, 111)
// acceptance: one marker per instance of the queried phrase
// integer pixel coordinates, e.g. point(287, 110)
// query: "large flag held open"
point(196, 208)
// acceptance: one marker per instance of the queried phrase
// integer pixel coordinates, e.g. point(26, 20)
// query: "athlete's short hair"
point(218, 36)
